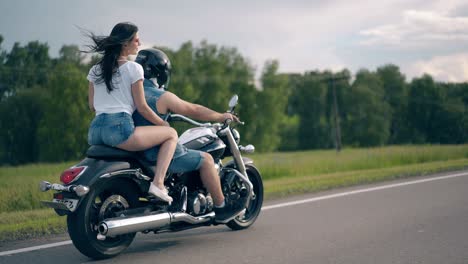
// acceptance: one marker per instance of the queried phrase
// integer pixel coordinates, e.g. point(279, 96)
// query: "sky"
point(429, 36)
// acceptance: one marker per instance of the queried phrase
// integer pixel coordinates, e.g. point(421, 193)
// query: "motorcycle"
point(105, 195)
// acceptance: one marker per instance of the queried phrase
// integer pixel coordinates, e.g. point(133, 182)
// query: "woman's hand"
point(165, 123)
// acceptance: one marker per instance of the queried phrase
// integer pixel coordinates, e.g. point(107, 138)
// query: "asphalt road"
point(419, 220)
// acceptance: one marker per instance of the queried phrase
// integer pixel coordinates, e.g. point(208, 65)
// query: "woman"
point(115, 91)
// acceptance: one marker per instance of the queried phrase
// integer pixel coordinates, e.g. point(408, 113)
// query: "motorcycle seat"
point(107, 152)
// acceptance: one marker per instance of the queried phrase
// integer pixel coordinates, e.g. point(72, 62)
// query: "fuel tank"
point(203, 139)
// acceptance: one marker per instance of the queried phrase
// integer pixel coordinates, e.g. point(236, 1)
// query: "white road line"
point(315, 199)
point(21, 250)
point(264, 208)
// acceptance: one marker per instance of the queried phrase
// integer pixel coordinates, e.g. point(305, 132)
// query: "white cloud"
point(451, 68)
point(446, 6)
point(419, 29)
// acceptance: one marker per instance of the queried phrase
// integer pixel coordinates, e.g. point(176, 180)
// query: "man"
point(157, 67)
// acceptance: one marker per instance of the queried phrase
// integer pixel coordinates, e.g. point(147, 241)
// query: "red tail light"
point(70, 174)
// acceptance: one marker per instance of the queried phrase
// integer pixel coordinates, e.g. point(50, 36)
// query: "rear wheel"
point(106, 200)
point(253, 210)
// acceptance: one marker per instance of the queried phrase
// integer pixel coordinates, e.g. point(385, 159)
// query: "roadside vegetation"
point(284, 173)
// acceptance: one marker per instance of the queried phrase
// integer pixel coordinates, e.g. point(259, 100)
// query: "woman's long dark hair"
point(110, 47)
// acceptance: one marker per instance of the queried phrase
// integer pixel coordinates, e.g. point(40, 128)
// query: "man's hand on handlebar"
point(229, 116)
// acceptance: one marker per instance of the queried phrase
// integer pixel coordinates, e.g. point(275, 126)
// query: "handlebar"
point(178, 117)
point(188, 120)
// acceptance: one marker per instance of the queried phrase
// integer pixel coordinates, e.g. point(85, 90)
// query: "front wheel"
point(106, 200)
point(253, 209)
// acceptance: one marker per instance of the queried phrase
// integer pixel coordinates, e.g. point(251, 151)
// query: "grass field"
point(22, 215)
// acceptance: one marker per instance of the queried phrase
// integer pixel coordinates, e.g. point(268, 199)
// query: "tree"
point(213, 78)
point(3, 85)
point(209, 75)
point(71, 54)
point(62, 133)
point(309, 102)
point(423, 104)
point(20, 115)
point(450, 121)
point(25, 67)
point(183, 70)
point(396, 95)
point(366, 122)
point(271, 107)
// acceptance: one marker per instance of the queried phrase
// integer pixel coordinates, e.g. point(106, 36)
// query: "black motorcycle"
point(106, 201)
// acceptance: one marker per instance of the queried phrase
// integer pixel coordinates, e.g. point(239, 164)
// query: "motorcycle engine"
point(199, 204)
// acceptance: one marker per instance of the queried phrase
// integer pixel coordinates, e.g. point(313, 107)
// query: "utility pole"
point(337, 119)
point(331, 81)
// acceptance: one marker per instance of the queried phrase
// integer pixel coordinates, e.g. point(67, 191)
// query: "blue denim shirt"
point(152, 95)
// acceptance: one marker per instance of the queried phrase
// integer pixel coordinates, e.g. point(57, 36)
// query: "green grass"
point(29, 224)
point(19, 186)
point(285, 186)
point(22, 215)
point(296, 164)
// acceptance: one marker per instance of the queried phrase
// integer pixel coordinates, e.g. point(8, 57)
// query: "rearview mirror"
point(233, 101)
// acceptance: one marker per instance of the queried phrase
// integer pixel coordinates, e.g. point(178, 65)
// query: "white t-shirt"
point(120, 99)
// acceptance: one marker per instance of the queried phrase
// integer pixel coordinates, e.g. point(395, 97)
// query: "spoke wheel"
point(255, 205)
point(107, 200)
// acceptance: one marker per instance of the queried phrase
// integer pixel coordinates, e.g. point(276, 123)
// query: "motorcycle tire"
point(255, 205)
point(82, 225)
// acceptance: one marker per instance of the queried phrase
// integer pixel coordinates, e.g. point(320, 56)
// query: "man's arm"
point(170, 102)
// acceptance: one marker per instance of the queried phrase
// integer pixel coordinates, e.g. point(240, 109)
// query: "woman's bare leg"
point(163, 161)
point(145, 137)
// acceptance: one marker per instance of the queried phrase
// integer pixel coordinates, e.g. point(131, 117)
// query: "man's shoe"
point(229, 211)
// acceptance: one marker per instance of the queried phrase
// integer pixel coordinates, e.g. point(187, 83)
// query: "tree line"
point(45, 117)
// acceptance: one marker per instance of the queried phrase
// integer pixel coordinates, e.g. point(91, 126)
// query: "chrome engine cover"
point(199, 204)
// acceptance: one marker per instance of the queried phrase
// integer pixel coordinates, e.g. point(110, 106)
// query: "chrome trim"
point(79, 190)
point(235, 150)
point(247, 149)
point(183, 217)
point(132, 224)
point(136, 172)
point(221, 146)
point(188, 120)
point(248, 161)
point(232, 217)
point(79, 175)
point(241, 171)
point(183, 199)
point(44, 186)
point(249, 186)
point(119, 226)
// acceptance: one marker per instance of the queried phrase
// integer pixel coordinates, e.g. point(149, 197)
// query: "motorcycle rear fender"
point(92, 176)
point(98, 167)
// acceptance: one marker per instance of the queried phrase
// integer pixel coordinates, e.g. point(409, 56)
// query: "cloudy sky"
point(419, 36)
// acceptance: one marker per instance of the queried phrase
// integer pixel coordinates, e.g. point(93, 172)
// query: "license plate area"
point(69, 203)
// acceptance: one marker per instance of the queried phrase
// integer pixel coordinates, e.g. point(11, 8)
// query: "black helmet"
point(156, 65)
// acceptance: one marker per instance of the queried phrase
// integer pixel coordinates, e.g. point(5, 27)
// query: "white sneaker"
point(161, 194)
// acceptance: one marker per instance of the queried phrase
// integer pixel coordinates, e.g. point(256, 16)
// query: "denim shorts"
point(184, 159)
point(110, 129)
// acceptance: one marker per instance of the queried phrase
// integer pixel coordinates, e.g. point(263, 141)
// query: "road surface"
point(417, 220)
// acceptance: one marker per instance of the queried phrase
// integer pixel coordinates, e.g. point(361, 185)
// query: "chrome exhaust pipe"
point(118, 226)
